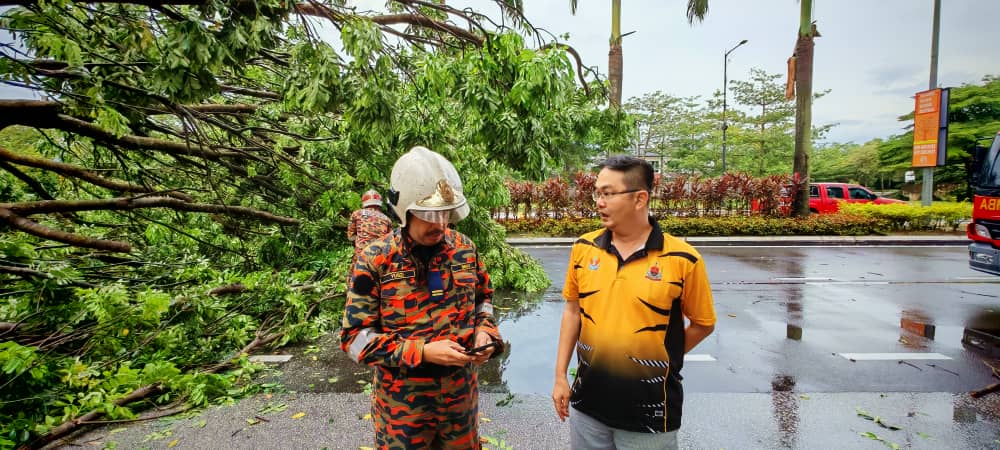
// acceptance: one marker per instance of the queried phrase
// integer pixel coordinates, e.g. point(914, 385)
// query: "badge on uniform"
point(654, 272)
point(595, 263)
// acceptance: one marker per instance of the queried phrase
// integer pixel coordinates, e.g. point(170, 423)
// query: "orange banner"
point(926, 128)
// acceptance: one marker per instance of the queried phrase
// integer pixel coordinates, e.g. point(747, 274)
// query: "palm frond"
point(696, 9)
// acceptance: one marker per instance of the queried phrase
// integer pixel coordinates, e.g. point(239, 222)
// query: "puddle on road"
point(321, 366)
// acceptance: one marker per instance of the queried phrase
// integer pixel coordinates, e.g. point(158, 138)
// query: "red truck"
point(984, 229)
point(824, 197)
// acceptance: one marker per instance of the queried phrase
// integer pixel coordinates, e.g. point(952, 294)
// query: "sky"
point(873, 56)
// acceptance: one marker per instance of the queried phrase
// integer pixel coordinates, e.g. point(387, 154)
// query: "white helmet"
point(371, 198)
point(423, 181)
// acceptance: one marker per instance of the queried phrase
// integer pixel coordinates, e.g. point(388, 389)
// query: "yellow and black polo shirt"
point(631, 346)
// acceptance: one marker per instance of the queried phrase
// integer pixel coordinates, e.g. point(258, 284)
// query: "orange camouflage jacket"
point(395, 303)
point(366, 225)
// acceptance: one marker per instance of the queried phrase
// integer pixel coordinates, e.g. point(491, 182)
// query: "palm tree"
point(803, 59)
point(696, 9)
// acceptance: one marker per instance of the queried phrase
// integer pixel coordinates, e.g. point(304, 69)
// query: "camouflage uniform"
point(367, 224)
point(395, 304)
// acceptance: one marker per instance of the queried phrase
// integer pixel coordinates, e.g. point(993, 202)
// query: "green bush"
point(817, 224)
point(907, 217)
point(854, 219)
point(569, 226)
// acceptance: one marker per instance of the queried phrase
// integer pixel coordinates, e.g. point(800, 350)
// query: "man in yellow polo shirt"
point(629, 287)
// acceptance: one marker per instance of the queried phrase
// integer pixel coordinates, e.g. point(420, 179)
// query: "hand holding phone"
point(481, 348)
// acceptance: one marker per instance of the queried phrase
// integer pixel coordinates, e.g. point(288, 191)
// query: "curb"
point(778, 241)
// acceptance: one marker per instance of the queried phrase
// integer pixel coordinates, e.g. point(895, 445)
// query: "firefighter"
point(419, 304)
point(369, 222)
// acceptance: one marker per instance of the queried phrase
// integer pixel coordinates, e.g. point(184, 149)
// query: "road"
point(805, 355)
point(788, 315)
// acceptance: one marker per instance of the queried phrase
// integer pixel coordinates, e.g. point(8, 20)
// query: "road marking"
point(891, 356)
point(976, 278)
point(698, 357)
point(802, 279)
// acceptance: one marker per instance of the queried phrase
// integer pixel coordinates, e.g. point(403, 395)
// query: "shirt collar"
point(653, 242)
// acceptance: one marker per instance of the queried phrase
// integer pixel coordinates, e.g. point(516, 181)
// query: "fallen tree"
point(164, 147)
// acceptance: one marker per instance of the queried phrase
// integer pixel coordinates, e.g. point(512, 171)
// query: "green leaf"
point(112, 121)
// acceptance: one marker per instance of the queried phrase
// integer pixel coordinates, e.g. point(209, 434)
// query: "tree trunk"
point(615, 76)
point(615, 56)
point(803, 110)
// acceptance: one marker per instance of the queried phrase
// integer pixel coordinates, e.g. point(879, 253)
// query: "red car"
point(823, 197)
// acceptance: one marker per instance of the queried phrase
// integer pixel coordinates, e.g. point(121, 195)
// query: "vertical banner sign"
point(930, 128)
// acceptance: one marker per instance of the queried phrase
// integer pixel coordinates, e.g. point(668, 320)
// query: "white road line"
point(803, 279)
point(976, 278)
point(891, 356)
point(698, 357)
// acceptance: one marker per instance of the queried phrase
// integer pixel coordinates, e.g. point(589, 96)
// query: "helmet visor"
point(438, 217)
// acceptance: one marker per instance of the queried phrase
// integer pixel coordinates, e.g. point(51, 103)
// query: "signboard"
point(930, 128)
point(987, 208)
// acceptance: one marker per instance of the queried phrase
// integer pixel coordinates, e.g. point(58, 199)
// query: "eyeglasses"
point(606, 195)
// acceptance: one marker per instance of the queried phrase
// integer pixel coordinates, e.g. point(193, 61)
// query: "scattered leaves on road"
point(509, 400)
point(272, 407)
point(157, 435)
point(878, 420)
point(875, 437)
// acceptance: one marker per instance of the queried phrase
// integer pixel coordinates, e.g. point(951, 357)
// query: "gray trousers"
point(587, 433)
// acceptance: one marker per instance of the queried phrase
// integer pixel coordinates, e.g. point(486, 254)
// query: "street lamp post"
point(725, 87)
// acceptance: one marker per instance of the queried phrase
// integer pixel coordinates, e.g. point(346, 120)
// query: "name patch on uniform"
point(396, 276)
point(464, 267)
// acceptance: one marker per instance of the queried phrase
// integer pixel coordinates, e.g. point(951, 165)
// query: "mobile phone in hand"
point(473, 351)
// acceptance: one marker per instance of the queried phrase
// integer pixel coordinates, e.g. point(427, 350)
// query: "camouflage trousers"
point(425, 412)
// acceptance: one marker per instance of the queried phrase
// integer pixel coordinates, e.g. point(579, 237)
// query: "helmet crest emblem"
point(443, 195)
point(447, 194)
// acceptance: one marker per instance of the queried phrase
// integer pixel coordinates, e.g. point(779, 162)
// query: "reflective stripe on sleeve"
point(364, 337)
point(485, 307)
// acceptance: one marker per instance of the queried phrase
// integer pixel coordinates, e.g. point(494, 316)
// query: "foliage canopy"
point(174, 192)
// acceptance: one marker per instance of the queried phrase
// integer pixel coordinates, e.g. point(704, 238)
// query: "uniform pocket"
point(464, 285)
point(398, 301)
point(463, 297)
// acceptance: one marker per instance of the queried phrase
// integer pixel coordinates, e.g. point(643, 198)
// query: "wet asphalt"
point(778, 420)
point(310, 409)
